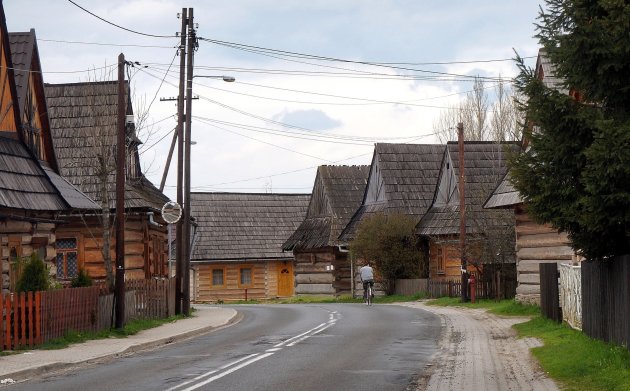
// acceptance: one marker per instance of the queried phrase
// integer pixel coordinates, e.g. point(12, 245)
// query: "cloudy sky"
point(307, 89)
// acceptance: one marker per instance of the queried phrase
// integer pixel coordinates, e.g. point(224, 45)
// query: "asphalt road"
point(276, 347)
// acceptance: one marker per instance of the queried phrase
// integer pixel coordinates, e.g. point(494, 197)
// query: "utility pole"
point(121, 149)
point(179, 238)
point(462, 211)
point(192, 40)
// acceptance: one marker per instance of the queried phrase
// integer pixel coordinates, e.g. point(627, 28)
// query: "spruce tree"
point(576, 171)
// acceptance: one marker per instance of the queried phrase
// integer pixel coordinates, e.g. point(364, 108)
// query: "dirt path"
point(481, 352)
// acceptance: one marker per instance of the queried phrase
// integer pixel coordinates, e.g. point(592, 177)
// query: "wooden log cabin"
point(488, 232)
point(535, 243)
point(83, 120)
point(32, 194)
point(321, 266)
point(237, 251)
point(402, 180)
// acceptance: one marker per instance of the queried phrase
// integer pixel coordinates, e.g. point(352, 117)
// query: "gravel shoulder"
point(481, 351)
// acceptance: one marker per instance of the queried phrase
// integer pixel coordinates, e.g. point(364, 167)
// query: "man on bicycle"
point(367, 278)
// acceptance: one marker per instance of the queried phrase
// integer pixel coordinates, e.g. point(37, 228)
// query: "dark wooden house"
point(237, 252)
point(484, 166)
point(535, 243)
point(402, 181)
point(321, 266)
point(32, 194)
point(83, 120)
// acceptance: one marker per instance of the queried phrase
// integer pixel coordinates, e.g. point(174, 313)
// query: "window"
point(218, 277)
point(245, 276)
point(67, 265)
point(440, 259)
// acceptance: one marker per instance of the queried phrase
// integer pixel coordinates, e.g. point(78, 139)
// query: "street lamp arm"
point(228, 79)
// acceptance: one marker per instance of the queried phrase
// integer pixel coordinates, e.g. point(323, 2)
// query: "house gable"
point(447, 191)
point(375, 189)
point(319, 204)
point(8, 95)
point(31, 97)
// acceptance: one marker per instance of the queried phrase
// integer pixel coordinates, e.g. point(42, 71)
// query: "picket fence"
point(32, 318)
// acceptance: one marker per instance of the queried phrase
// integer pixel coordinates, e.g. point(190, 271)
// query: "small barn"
point(321, 266)
point(83, 120)
point(237, 251)
point(489, 238)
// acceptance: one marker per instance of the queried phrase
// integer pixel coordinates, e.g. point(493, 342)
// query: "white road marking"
point(252, 358)
point(233, 369)
point(212, 372)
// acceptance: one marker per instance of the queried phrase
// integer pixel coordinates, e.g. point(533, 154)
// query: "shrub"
point(82, 279)
point(34, 276)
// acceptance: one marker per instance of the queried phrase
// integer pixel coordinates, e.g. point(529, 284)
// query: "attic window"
point(448, 165)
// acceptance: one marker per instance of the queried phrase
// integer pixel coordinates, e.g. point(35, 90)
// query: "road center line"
point(233, 369)
point(212, 372)
point(298, 336)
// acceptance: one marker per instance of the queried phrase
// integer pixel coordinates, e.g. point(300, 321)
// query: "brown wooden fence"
point(484, 289)
point(409, 287)
point(606, 300)
point(550, 292)
point(32, 318)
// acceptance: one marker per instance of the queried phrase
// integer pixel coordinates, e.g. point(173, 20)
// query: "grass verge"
point(133, 327)
point(579, 362)
point(574, 360)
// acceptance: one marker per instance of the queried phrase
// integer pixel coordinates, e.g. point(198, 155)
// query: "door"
point(285, 279)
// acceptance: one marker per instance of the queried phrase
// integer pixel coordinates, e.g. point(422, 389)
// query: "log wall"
point(323, 271)
point(536, 244)
point(452, 261)
point(264, 281)
point(25, 238)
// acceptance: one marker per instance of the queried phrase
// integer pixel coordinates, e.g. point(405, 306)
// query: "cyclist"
point(367, 278)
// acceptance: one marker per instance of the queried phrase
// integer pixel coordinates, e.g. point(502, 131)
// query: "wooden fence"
point(410, 287)
point(549, 292)
point(606, 300)
point(484, 289)
point(32, 318)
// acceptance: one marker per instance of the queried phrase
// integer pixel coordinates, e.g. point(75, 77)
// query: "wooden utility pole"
point(121, 149)
point(179, 238)
point(187, 245)
point(462, 211)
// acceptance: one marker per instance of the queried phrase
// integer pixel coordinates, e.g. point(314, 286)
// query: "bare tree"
point(482, 120)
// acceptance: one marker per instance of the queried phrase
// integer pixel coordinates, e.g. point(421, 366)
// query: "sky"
point(316, 82)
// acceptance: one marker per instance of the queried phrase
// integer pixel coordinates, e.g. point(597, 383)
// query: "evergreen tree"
point(576, 172)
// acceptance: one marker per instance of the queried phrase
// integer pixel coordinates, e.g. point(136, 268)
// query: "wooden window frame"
point(66, 251)
point(212, 269)
point(240, 271)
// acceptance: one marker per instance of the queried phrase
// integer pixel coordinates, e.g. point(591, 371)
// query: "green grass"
point(134, 327)
point(580, 363)
point(501, 307)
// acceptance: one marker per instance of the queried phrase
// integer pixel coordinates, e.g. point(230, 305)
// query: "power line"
point(119, 26)
point(108, 44)
point(109, 67)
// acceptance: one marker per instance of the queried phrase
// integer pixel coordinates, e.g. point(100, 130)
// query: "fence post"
point(549, 293)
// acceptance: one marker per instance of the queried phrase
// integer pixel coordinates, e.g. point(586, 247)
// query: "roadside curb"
point(134, 348)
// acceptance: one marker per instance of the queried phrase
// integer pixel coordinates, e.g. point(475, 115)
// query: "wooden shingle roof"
point(22, 51)
point(402, 181)
point(83, 120)
point(23, 183)
point(485, 166)
point(245, 227)
point(505, 195)
point(337, 194)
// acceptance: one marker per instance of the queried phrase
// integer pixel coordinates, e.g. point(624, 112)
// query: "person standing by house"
point(367, 277)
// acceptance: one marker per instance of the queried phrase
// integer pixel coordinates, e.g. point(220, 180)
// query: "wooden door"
point(285, 279)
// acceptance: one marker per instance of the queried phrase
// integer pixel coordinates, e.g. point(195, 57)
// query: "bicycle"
point(369, 293)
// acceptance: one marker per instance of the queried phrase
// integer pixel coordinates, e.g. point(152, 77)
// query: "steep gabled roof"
point(505, 195)
point(402, 180)
point(337, 193)
point(485, 164)
point(23, 183)
point(245, 227)
point(83, 121)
